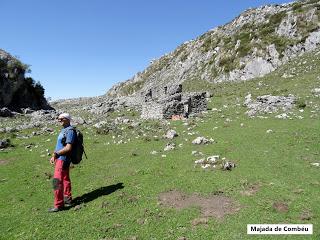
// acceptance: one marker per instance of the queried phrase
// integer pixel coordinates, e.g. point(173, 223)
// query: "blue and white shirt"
point(70, 138)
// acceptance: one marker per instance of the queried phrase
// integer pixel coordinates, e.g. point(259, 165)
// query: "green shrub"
point(209, 42)
point(297, 7)
point(245, 46)
point(276, 19)
point(300, 103)
point(146, 139)
point(102, 131)
point(132, 88)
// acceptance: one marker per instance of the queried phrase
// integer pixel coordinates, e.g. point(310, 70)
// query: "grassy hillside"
point(118, 187)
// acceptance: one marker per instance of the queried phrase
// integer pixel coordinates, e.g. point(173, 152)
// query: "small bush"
point(5, 143)
point(297, 7)
point(300, 103)
point(102, 131)
point(147, 139)
point(132, 88)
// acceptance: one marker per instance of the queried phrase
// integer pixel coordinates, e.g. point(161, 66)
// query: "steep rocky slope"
point(255, 43)
point(16, 90)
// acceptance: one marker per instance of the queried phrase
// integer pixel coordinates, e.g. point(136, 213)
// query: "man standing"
point(61, 159)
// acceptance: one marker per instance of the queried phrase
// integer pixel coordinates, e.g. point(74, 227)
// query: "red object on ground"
point(177, 117)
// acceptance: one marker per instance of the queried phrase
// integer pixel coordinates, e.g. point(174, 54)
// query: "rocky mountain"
point(255, 43)
point(16, 90)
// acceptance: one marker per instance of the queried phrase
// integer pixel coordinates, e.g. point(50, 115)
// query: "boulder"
point(5, 112)
point(171, 134)
point(4, 143)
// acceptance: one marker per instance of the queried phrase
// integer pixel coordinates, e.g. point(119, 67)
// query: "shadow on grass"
point(88, 197)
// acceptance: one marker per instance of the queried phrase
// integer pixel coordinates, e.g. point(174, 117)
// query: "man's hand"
point(52, 160)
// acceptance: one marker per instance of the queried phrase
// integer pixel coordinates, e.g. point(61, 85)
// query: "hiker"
point(61, 159)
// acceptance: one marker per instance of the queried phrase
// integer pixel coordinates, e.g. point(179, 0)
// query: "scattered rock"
point(171, 134)
point(46, 129)
point(200, 161)
point(268, 104)
point(77, 207)
point(285, 75)
point(316, 92)
point(202, 140)
point(27, 110)
point(5, 112)
point(4, 143)
point(196, 153)
point(282, 116)
point(78, 120)
point(182, 238)
point(228, 165)
point(169, 147)
point(213, 159)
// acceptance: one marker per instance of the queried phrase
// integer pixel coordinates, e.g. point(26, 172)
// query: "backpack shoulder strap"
point(65, 131)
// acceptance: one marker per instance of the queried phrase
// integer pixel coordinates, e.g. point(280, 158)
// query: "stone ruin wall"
point(197, 102)
point(152, 110)
point(165, 102)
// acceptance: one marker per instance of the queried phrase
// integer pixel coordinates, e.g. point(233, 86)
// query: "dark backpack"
point(77, 147)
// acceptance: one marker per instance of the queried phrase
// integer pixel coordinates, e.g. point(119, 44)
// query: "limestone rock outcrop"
point(16, 90)
point(254, 44)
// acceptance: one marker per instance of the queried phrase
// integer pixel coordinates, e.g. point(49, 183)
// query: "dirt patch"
point(6, 161)
point(250, 190)
point(214, 206)
point(280, 207)
point(199, 221)
point(3, 162)
point(306, 215)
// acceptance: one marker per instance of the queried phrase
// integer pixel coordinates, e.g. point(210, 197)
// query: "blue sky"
point(79, 48)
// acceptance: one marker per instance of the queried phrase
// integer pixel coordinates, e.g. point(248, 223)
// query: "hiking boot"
point(67, 202)
point(52, 210)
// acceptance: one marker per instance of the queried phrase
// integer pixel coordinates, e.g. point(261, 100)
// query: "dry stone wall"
point(169, 101)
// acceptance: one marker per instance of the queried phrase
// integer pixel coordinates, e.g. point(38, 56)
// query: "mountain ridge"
point(253, 44)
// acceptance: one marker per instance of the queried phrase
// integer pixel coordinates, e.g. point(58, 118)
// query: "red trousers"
point(61, 184)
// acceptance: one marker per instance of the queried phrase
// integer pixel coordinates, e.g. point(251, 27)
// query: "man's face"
point(63, 121)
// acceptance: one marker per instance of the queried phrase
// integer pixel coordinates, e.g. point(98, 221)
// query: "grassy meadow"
point(117, 188)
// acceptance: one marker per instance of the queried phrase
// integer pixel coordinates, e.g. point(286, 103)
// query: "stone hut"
point(166, 102)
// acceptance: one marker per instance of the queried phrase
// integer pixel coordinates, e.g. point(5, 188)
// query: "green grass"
point(280, 162)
